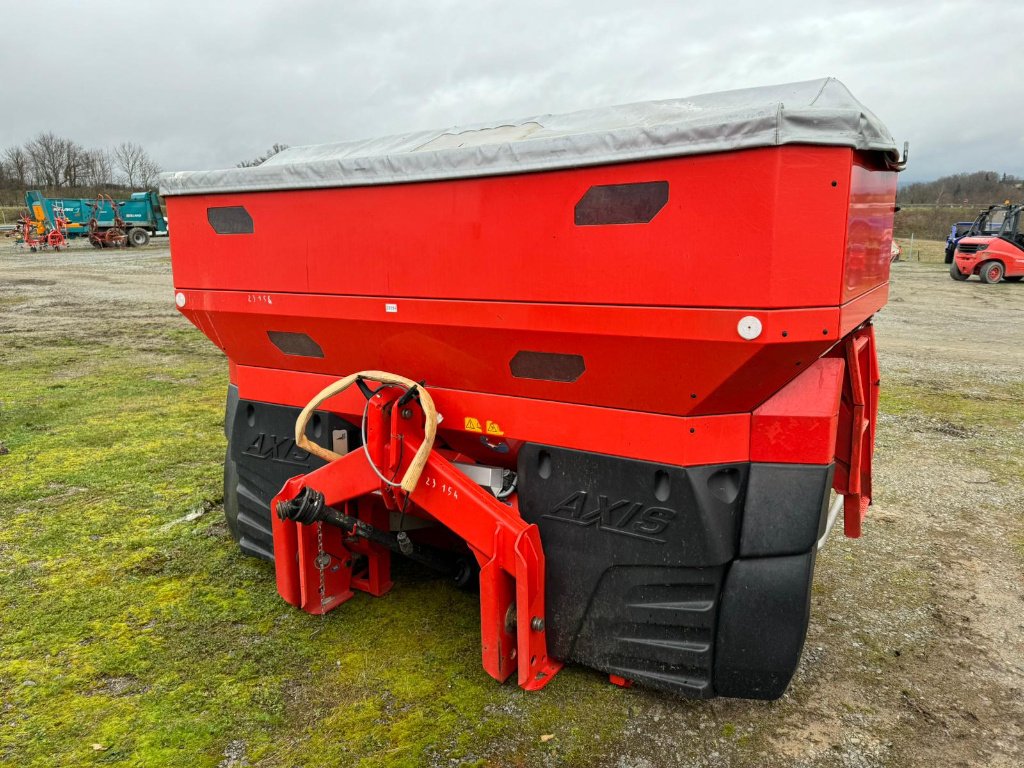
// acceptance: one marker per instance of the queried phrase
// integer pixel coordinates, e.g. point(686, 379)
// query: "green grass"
point(925, 251)
point(151, 637)
point(977, 413)
point(932, 222)
point(9, 213)
point(964, 407)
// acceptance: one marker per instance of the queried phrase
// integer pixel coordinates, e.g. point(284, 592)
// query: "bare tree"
point(46, 156)
point(101, 168)
point(75, 163)
point(49, 161)
point(17, 164)
point(148, 172)
point(264, 157)
point(138, 168)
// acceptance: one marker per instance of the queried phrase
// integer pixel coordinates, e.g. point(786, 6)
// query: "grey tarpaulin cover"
point(812, 112)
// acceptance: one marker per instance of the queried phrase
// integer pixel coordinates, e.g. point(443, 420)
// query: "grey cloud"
point(205, 85)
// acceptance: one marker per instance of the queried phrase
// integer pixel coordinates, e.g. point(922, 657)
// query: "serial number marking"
point(445, 489)
point(260, 298)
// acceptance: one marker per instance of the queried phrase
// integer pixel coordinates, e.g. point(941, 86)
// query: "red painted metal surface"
point(854, 312)
point(296, 548)
point(684, 441)
point(507, 548)
point(858, 414)
point(455, 304)
point(469, 345)
point(799, 423)
point(869, 229)
point(450, 281)
point(768, 224)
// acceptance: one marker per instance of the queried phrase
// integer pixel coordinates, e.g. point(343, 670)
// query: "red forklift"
point(509, 365)
point(993, 257)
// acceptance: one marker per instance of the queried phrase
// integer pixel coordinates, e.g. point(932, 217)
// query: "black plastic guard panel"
point(262, 456)
point(765, 607)
point(643, 572)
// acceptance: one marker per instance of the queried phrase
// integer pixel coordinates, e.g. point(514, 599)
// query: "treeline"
point(981, 188)
point(931, 222)
point(63, 167)
point(929, 208)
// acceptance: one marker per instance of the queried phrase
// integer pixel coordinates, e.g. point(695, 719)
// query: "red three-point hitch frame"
point(315, 562)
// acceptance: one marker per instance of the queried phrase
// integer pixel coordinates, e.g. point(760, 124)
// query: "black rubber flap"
point(762, 623)
point(653, 625)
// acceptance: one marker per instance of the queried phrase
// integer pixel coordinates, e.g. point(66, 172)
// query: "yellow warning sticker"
point(493, 428)
point(472, 425)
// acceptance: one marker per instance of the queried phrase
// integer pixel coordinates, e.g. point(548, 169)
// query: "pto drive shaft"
point(308, 508)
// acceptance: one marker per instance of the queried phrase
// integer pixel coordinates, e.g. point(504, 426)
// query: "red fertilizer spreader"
point(608, 367)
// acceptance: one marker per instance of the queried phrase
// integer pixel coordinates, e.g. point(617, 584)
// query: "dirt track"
point(915, 654)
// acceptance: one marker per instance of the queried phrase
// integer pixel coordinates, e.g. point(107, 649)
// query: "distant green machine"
point(141, 214)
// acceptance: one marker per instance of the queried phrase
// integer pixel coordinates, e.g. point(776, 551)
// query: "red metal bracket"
point(508, 549)
point(858, 416)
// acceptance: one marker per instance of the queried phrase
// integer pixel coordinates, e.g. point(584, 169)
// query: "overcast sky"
point(207, 84)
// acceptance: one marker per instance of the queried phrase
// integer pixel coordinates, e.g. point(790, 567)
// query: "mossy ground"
point(133, 632)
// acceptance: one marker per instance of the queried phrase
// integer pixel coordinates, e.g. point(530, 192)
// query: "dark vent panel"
point(547, 366)
point(230, 220)
point(296, 344)
point(621, 203)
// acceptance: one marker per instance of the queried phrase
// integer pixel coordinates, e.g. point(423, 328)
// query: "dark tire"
point(950, 252)
point(1014, 279)
point(467, 573)
point(138, 237)
point(955, 273)
point(991, 272)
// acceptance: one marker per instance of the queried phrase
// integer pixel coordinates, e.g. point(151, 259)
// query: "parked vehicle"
point(958, 230)
point(140, 215)
point(996, 256)
point(988, 222)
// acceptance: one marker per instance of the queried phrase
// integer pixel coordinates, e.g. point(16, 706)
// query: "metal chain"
point(322, 560)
